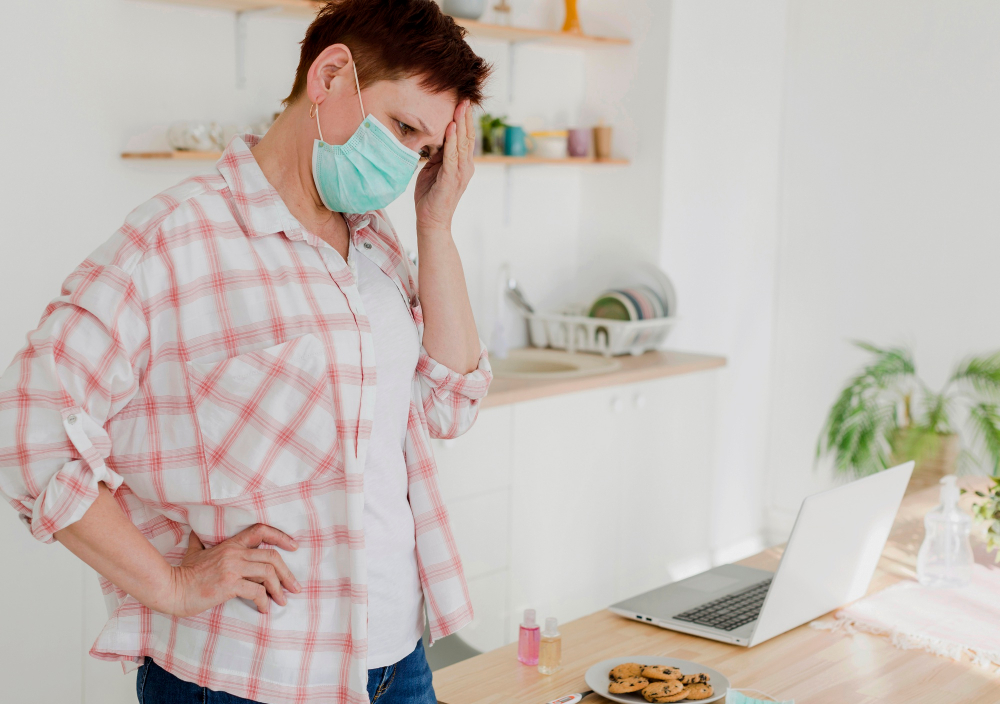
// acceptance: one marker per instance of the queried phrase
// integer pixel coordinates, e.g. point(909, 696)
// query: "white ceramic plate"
point(648, 274)
point(597, 678)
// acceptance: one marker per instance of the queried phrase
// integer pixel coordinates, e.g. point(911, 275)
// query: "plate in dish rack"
point(597, 678)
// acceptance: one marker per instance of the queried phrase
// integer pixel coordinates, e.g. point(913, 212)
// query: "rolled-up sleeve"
point(79, 367)
point(451, 400)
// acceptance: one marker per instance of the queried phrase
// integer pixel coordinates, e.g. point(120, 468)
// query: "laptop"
point(829, 560)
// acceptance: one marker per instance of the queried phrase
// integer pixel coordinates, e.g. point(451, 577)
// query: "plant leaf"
point(980, 374)
point(864, 416)
point(984, 419)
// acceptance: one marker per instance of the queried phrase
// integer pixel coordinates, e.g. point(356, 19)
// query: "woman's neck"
point(284, 154)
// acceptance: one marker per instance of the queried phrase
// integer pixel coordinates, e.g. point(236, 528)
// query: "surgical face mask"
point(737, 697)
point(368, 172)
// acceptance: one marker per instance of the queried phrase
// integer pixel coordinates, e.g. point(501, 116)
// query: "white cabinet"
point(570, 454)
point(474, 474)
point(569, 503)
point(664, 529)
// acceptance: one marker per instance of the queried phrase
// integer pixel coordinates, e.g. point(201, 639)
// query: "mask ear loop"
point(314, 108)
point(314, 112)
point(358, 84)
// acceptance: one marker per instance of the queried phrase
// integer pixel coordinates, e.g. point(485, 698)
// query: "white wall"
point(889, 222)
point(719, 229)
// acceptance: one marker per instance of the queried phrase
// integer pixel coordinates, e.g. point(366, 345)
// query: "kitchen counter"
point(651, 365)
point(812, 666)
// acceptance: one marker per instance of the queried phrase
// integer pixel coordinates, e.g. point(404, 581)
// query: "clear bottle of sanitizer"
point(528, 638)
point(945, 558)
point(550, 648)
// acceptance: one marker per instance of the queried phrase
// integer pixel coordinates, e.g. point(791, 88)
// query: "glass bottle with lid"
point(527, 642)
point(550, 648)
point(945, 558)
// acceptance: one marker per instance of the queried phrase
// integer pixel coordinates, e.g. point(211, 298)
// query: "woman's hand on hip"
point(442, 181)
point(236, 567)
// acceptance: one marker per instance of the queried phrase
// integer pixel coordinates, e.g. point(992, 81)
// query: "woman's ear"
point(328, 73)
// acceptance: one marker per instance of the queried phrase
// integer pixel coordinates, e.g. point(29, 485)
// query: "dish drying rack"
point(574, 331)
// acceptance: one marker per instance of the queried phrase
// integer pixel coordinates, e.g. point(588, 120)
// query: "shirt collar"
point(262, 212)
point(258, 204)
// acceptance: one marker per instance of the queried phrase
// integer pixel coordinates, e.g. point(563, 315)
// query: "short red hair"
point(393, 39)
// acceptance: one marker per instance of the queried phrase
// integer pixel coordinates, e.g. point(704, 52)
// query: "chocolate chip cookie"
point(626, 669)
point(664, 691)
point(628, 684)
point(661, 672)
point(700, 678)
point(698, 691)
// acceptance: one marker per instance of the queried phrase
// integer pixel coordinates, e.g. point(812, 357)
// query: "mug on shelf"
point(602, 142)
point(468, 9)
point(579, 142)
point(515, 141)
point(550, 144)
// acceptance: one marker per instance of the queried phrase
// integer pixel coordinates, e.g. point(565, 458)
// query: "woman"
point(227, 412)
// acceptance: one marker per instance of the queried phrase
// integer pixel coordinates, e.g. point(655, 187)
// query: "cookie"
point(627, 684)
point(664, 691)
point(700, 678)
point(661, 672)
point(626, 669)
point(698, 691)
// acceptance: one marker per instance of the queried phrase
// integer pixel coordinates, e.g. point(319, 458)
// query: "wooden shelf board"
point(525, 34)
point(651, 365)
point(484, 159)
point(566, 161)
point(307, 9)
point(177, 155)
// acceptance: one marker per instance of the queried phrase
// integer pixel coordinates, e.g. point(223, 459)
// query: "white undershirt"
point(395, 599)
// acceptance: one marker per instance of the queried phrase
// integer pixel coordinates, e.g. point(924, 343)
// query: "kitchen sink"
point(535, 363)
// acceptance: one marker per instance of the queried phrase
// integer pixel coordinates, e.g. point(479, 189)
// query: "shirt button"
point(368, 245)
point(71, 419)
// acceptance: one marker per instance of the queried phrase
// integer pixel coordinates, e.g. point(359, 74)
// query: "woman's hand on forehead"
point(447, 173)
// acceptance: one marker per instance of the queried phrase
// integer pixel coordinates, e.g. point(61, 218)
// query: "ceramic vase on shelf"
point(467, 9)
point(572, 23)
point(501, 13)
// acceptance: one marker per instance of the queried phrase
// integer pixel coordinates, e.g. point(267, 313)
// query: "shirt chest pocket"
point(266, 417)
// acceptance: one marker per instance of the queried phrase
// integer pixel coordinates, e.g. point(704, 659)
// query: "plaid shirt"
point(212, 364)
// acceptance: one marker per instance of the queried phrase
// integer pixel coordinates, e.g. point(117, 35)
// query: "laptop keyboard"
point(731, 611)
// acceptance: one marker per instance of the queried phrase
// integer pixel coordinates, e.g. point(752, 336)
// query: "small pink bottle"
point(527, 642)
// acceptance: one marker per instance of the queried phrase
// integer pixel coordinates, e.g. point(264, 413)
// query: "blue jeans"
point(406, 682)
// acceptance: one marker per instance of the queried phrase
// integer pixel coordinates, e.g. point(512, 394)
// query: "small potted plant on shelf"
point(887, 415)
point(492, 129)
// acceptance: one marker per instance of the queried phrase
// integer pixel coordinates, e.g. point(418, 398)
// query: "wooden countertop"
point(809, 665)
point(651, 365)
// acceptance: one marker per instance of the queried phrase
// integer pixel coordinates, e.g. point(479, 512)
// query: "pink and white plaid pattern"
point(212, 363)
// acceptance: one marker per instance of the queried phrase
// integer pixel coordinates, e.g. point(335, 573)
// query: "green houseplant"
point(492, 128)
point(886, 415)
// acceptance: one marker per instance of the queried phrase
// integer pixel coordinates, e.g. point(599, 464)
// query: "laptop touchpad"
point(709, 582)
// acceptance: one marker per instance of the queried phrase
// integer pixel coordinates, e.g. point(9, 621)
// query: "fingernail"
point(295, 546)
point(298, 587)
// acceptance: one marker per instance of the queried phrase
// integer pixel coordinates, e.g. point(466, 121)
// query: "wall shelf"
point(529, 159)
point(482, 159)
point(289, 8)
point(306, 9)
point(524, 34)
